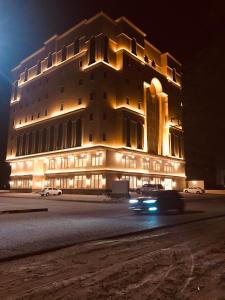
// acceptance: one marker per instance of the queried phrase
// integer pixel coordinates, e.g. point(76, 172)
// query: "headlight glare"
point(150, 201)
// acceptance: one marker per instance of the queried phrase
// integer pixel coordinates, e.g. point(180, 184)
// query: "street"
point(71, 222)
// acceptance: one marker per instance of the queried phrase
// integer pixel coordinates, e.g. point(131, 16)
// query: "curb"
point(19, 211)
point(129, 234)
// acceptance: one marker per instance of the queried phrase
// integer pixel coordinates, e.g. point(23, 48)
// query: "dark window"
point(30, 143)
point(24, 144)
point(39, 68)
point(38, 115)
point(104, 137)
point(60, 137)
point(62, 89)
point(61, 106)
point(44, 140)
point(106, 49)
point(69, 134)
point(146, 59)
point(32, 117)
point(139, 105)
point(76, 47)
point(20, 121)
point(139, 136)
point(15, 90)
point(36, 148)
point(128, 100)
point(52, 134)
point(153, 64)
point(90, 137)
point(26, 75)
point(64, 53)
point(18, 141)
point(128, 142)
point(91, 117)
point(174, 75)
point(46, 112)
point(134, 46)
point(80, 63)
point(79, 101)
point(78, 133)
point(49, 62)
point(26, 120)
point(92, 51)
point(91, 96)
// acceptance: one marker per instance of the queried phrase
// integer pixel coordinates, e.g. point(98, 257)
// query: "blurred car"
point(49, 191)
point(194, 190)
point(148, 187)
point(158, 202)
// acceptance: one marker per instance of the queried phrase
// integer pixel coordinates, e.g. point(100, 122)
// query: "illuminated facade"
point(98, 103)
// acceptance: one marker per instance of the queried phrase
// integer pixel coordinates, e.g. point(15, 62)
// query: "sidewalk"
point(64, 197)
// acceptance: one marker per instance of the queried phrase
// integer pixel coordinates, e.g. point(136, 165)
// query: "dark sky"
point(181, 27)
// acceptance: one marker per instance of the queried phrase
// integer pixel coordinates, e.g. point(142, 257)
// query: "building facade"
point(96, 104)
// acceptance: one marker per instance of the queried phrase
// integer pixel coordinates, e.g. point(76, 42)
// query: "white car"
point(194, 190)
point(50, 192)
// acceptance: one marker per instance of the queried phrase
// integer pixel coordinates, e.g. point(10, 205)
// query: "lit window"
point(96, 181)
point(145, 163)
point(97, 160)
point(156, 166)
point(129, 161)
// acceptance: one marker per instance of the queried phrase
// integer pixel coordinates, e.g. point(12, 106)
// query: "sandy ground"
point(184, 262)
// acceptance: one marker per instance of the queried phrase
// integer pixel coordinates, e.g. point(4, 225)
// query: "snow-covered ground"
point(184, 262)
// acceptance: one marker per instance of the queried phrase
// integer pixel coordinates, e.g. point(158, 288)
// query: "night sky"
point(182, 28)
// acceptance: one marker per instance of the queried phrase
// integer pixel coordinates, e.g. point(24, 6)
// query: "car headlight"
point(154, 208)
point(150, 201)
point(133, 201)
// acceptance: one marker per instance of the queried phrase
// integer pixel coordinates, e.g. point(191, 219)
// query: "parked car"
point(194, 190)
point(158, 202)
point(49, 191)
point(148, 187)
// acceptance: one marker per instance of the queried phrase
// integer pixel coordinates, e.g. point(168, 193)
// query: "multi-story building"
point(96, 104)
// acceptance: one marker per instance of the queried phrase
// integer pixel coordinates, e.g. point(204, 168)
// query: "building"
point(96, 104)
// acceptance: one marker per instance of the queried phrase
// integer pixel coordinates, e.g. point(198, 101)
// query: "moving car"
point(194, 190)
point(148, 187)
point(49, 191)
point(158, 202)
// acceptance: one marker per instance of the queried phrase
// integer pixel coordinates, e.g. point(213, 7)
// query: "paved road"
point(69, 222)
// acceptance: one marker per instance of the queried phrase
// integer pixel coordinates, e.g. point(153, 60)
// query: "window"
point(78, 133)
point(129, 161)
point(145, 163)
point(62, 89)
point(96, 181)
point(38, 115)
point(106, 49)
point(79, 182)
point(153, 64)
point(79, 101)
point(76, 47)
point(91, 96)
point(139, 105)
point(36, 147)
point(26, 75)
point(97, 159)
point(104, 137)
point(49, 60)
point(18, 141)
point(44, 140)
point(91, 117)
point(128, 100)
point(134, 46)
point(64, 53)
point(92, 51)
point(168, 168)
point(127, 132)
point(132, 181)
point(174, 75)
point(52, 135)
point(139, 136)
point(146, 59)
point(156, 166)
point(32, 117)
point(20, 121)
point(24, 141)
point(69, 134)
point(80, 63)
point(90, 137)
point(60, 137)
point(15, 90)
point(81, 161)
point(61, 106)
point(30, 138)
point(39, 67)
point(51, 164)
point(26, 120)
point(46, 112)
